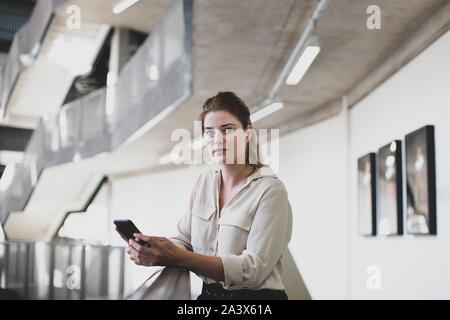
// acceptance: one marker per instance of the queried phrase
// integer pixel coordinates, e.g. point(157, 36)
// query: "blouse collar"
point(261, 172)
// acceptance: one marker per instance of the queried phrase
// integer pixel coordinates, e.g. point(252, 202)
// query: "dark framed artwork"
point(420, 181)
point(367, 199)
point(390, 189)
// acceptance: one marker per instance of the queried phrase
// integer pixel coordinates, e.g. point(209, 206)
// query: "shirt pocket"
point(233, 234)
point(201, 224)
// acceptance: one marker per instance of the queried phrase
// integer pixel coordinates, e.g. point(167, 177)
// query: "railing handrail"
point(67, 244)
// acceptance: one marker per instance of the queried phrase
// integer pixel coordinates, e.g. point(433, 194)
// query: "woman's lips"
point(220, 150)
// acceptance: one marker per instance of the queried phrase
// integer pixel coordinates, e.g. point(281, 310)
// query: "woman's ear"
point(248, 134)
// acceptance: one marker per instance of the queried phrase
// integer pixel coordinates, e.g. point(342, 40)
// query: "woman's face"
point(225, 138)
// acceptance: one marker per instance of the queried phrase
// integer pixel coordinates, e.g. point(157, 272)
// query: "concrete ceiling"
point(242, 46)
point(350, 53)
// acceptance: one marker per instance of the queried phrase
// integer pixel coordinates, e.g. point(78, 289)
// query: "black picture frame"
point(390, 189)
point(421, 182)
point(367, 195)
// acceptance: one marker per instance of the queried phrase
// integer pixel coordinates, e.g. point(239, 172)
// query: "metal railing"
point(54, 271)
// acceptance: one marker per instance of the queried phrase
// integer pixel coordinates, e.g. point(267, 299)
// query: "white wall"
point(419, 94)
point(312, 163)
point(331, 255)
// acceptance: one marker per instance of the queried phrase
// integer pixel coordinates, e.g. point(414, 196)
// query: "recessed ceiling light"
point(304, 62)
point(264, 112)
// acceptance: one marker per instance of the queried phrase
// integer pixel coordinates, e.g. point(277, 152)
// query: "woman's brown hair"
point(230, 102)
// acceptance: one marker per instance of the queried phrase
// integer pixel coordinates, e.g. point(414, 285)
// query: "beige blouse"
point(250, 236)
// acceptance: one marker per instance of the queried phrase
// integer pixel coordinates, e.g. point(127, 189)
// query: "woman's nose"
point(218, 138)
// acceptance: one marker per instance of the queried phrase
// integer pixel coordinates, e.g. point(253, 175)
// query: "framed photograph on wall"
point(390, 189)
point(367, 199)
point(420, 181)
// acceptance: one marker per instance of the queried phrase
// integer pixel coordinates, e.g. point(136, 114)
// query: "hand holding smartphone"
point(127, 228)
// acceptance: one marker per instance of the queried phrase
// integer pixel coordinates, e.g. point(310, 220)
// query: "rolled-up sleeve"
point(233, 271)
point(268, 238)
point(182, 238)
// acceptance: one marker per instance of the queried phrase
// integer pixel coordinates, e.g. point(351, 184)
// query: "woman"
point(239, 220)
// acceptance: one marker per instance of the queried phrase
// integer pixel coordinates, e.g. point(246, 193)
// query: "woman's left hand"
point(162, 251)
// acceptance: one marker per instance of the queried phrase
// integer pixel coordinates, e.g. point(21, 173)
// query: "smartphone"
point(127, 228)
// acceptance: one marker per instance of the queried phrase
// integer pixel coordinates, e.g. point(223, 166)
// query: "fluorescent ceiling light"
point(304, 62)
point(170, 157)
point(264, 112)
point(123, 5)
point(28, 58)
point(166, 158)
point(174, 156)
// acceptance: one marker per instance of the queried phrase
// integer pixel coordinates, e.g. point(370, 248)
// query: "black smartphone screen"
point(128, 228)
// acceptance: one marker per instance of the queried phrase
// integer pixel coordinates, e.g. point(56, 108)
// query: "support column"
point(119, 55)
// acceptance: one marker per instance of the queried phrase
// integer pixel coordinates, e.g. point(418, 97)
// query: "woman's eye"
point(210, 133)
point(229, 130)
